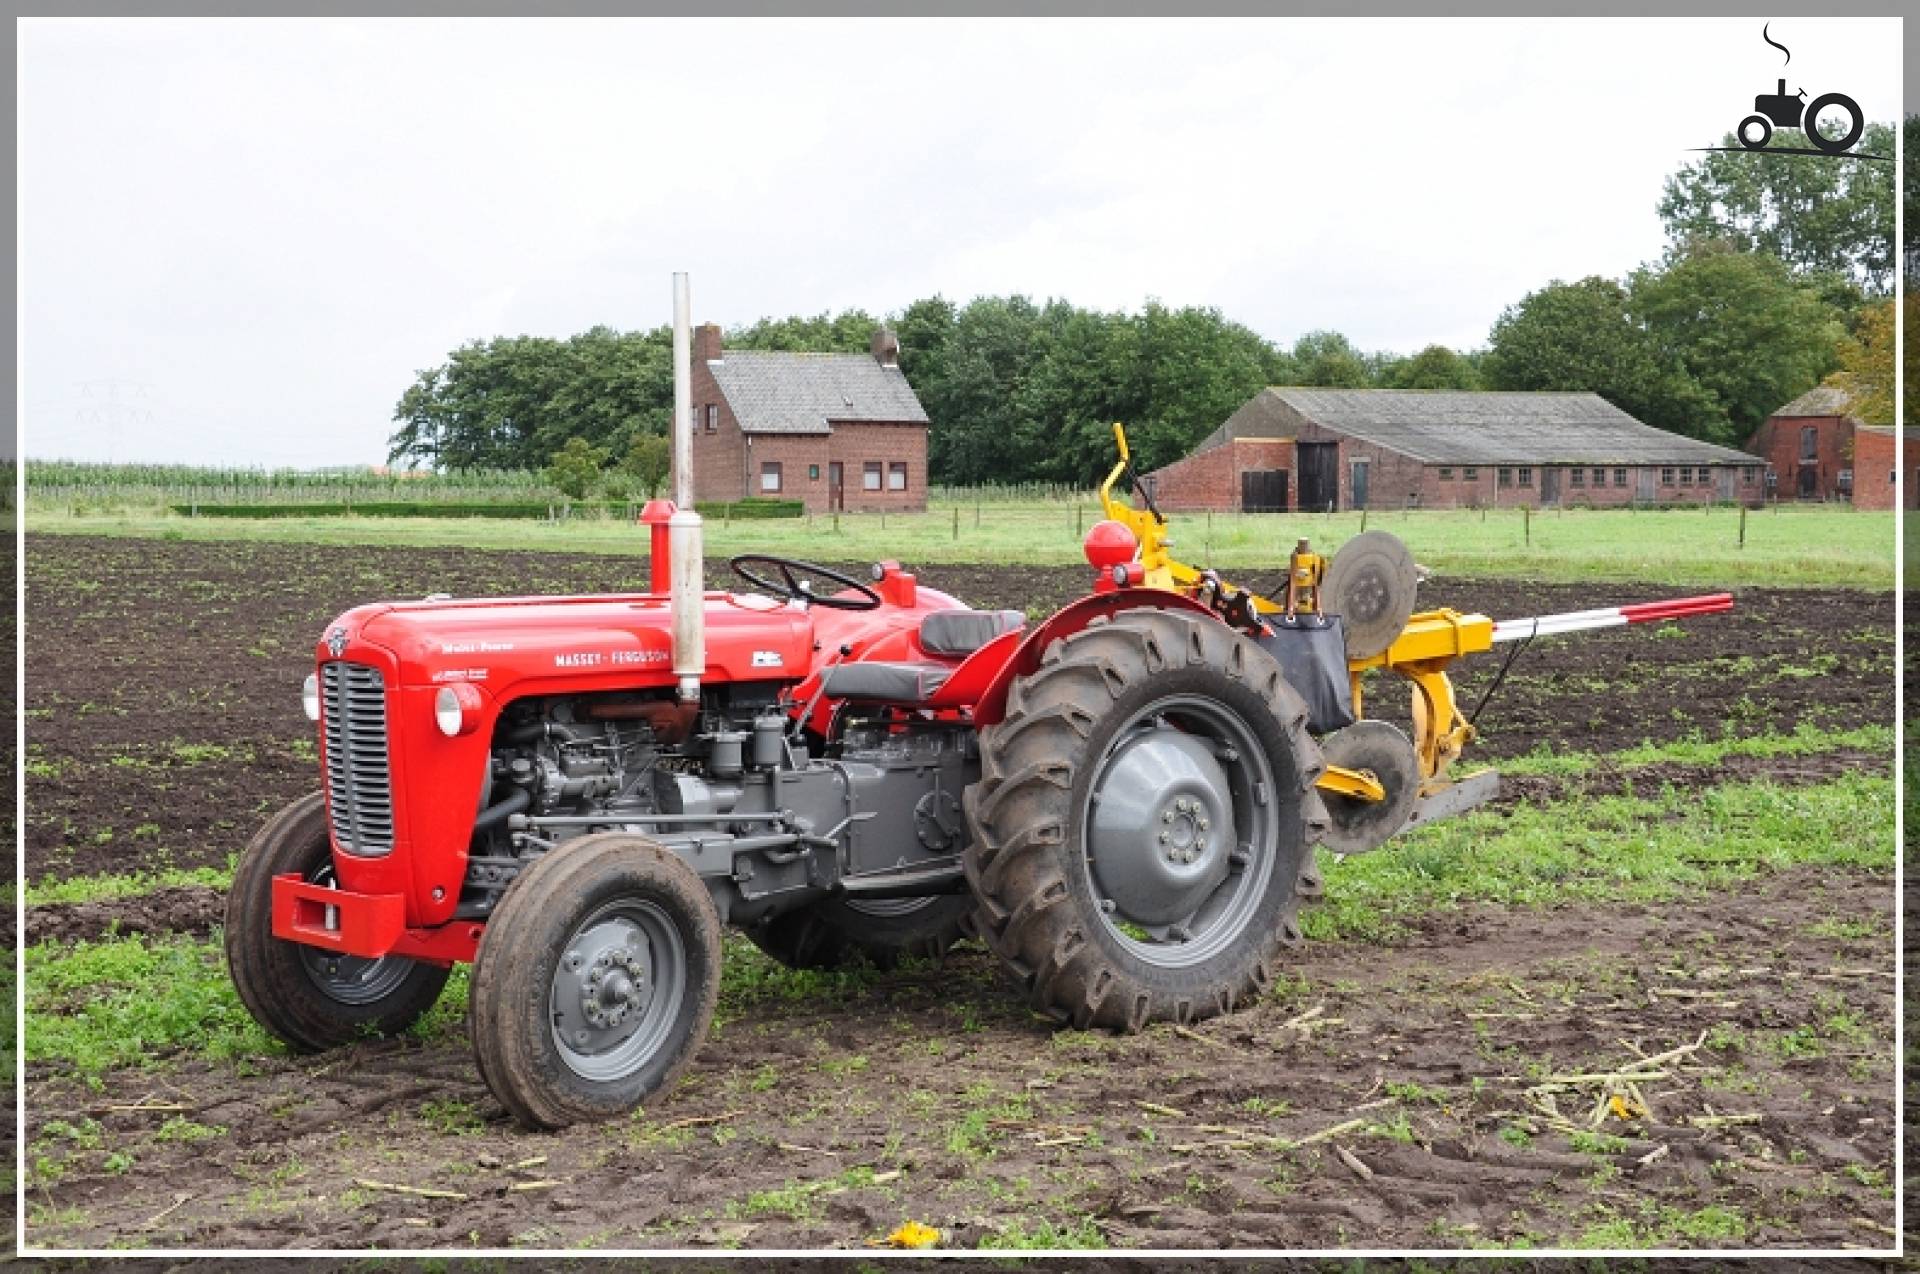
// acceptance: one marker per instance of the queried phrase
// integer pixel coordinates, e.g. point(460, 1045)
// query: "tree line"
point(1775, 277)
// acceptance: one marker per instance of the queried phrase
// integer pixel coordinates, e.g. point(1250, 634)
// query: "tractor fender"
point(1070, 619)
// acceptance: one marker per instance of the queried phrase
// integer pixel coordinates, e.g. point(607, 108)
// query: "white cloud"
point(273, 224)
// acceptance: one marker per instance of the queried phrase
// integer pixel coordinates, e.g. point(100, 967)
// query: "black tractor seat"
point(953, 634)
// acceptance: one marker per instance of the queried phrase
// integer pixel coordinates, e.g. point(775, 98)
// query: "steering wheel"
point(796, 588)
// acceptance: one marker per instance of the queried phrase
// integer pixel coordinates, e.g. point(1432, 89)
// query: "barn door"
point(1263, 491)
point(1319, 464)
point(1809, 481)
point(836, 486)
point(1549, 485)
point(1643, 486)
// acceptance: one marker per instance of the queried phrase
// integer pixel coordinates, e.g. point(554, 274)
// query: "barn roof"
point(1441, 426)
point(781, 392)
point(1821, 400)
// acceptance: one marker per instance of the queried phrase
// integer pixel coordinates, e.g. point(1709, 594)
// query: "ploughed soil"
point(1422, 1094)
point(163, 676)
point(931, 1094)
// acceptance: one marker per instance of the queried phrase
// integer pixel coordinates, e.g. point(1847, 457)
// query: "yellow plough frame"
point(1420, 654)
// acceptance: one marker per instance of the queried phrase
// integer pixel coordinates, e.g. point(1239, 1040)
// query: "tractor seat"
point(954, 634)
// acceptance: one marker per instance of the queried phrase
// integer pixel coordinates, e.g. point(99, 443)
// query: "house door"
point(1723, 484)
point(1263, 491)
point(1357, 486)
point(1549, 485)
point(1319, 475)
point(1809, 482)
point(836, 486)
point(1644, 490)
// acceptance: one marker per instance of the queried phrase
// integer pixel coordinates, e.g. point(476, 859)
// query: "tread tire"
point(508, 1009)
point(831, 934)
point(1035, 907)
point(267, 971)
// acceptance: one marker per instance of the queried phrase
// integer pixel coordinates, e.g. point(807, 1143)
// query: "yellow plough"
point(1377, 782)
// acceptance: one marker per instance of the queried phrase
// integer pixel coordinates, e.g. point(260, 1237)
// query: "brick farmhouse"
point(834, 431)
point(1313, 449)
point(1818, 450)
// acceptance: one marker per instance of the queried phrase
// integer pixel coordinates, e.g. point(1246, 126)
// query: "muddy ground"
point(164, 725)
point(930, 1094)
point(163, 676)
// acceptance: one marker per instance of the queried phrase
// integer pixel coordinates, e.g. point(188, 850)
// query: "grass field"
point(1784, 545)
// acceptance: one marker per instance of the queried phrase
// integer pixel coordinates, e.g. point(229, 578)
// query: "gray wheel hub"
point(1161, 833)
point(613, 990)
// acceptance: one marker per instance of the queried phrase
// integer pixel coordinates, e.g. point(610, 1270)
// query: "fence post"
point(1079, 519)
point(1526, 523)
point(1363, 521)
point(1743, 526)
point(836, 521)
point(956, 524)
point(976, 515)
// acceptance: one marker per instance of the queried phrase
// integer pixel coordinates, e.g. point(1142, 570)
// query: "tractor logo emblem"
point(1830, 123)
point(337, 642)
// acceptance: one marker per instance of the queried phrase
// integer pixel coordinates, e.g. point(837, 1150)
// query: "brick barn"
point(1818, 450)
point(1312, 449)
point(835, 431)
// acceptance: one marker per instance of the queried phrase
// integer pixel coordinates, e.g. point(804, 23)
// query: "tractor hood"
point(576, 640)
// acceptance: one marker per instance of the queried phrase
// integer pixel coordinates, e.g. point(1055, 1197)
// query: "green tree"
point(511, 402)
point(1435, 367)
point(1329, 359)
point(1580, 336)
point(1741, 327)
point(648, 460)
point(1811, 212)
point(1866, 364)
point(575, 468)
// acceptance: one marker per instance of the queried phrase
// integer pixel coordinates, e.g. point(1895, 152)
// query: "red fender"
point(991, 705)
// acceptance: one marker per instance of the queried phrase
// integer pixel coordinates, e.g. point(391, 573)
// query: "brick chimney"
point(706, 342)
point(885, 347)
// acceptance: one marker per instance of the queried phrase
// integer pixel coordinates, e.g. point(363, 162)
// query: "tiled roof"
point(778, 392)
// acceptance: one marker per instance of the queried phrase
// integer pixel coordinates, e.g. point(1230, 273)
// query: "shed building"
point(1819, 450)
point(1315, 449)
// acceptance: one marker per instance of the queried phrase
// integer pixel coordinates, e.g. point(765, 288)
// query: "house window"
point(1686, 476)
point(1446, 475)
point(1579, 477)
point(1846, 482)
point(769, 475)
point(813, 473)
point(1619, 478)
point(870, 476)
point(1892, 476)
point(1599, 477)
point(1526, 476)
point(897, 476)
point(1809, 442)
point(713, 417)
point(1749, 473)
point(1666, 477)
point(1470, 473)
point(1506, 477)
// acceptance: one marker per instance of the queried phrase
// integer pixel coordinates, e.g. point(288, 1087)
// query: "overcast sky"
point(240, 240)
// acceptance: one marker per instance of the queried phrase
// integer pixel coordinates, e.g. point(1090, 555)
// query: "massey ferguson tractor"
point(1122, 800)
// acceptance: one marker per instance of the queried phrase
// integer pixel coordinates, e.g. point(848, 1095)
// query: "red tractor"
point(576, 793)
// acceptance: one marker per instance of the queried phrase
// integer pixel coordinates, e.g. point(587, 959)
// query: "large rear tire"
point(310, 998)
point(1144, 823)
point(595, 982)
point(838, 932)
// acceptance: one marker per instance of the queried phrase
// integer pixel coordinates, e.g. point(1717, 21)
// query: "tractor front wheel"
point(595, 982)
point(836, 932)
point(1144, 822)
point(310, 998)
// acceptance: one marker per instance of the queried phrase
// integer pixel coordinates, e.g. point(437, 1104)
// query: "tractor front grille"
point(353, 716)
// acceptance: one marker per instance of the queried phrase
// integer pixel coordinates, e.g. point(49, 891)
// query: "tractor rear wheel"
point(310, 998)
point(1144, 822)
point(595, 982)
point(836, 932)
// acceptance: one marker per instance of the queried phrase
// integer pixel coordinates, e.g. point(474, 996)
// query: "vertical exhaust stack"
point(688, 592)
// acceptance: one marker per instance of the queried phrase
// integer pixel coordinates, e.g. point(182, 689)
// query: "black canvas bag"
point(1312, 653)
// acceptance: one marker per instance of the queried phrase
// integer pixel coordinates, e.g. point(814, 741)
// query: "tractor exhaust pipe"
point(687, 595)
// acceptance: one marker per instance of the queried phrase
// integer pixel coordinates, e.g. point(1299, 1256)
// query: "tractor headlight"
point(456, 709)
point(310, 696)
point(446, 712)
